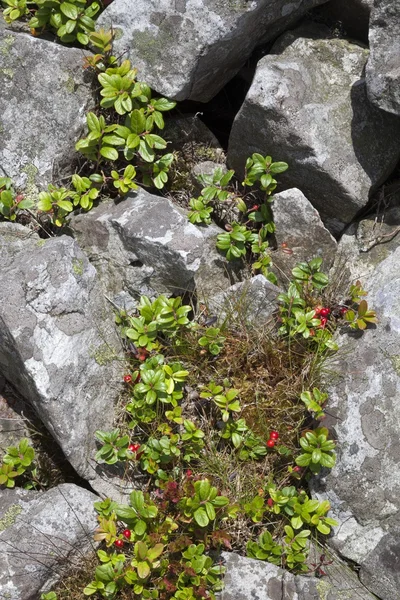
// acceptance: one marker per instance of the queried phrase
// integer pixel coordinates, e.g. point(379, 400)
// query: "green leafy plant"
point(233, 243)
point(18, 461)
point(261, 169)
point(10, 202)
point(361, 317)
point(226, 401)
point(212, 340)
point(314, 402)
point(125, 182)
point(265, 549)
point(72, 20)
point(309, 276)
point(201, 212)
point(318, 450)
point(204, 502)
point(114, 447)
point(15, 10)
point(216, 185)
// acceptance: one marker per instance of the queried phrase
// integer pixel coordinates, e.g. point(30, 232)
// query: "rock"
point(252, 301)
point(307, 106)
point(145, 245)
point(58, 344)
point(249, 579)
point(42, 534)
point(383, 67)
point(190, 49)
point(300, 234)
point(45, 95)
point(364, 486)
point(366, 244)
point(351, 15)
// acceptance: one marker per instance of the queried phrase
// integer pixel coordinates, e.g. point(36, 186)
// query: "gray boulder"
point(145, 245)
point(249, 579)
point(383, 67)
point(252, 302)
point(364, 486)
point(42, 535)
point(307, 106)
point(58, 344)
point(45, 95)
point(189, 49)
point(300, 234)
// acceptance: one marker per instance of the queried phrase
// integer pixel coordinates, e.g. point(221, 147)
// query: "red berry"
point(297, 469)
point(317, 310)
point(270, 443)
point(324, 321)
point(274, 435)
point(270, 502)
point(343, 310)
point(189, 473)
point(133, 447)
point(119, 543)
point(128, 378)
point(126, 533)
point(324, 312)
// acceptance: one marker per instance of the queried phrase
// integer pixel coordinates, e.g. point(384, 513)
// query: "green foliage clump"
point(18, 466)
point(247, 237)
point(10, 202)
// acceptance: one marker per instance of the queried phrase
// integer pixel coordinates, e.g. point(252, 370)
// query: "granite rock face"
point(364, 486)
point(42, 534)
point(299, 233)
point(307, 106)
point(189, 49)
point(252, 302)
point(58, 340)
point(45, 95)
point(145, 245)
point(383, 67)
point(249, 579)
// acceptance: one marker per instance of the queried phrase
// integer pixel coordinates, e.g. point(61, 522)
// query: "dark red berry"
point(189, 473)
point(128, 378)
point(270, 502)
point(270, 443)
point(133, 447)
point(274, 435)
point(119, 543)
point(324, 312)
point(126, 533)
point(343, 310)
point(324, 321)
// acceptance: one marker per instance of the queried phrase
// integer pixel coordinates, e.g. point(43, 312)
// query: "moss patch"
point(77, 266)
point(31, 189)
point(6, 44)
point(9, 73)
point(103, 354)
point(10, 517)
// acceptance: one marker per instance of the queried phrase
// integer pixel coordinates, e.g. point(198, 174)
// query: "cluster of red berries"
point(273, 438)
point(120, 543)
point(322, 313)
point(134, 449)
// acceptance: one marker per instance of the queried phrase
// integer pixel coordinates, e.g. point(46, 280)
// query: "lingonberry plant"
point(247, 233)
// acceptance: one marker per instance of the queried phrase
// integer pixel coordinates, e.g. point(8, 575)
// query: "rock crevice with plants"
point(177, 312)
